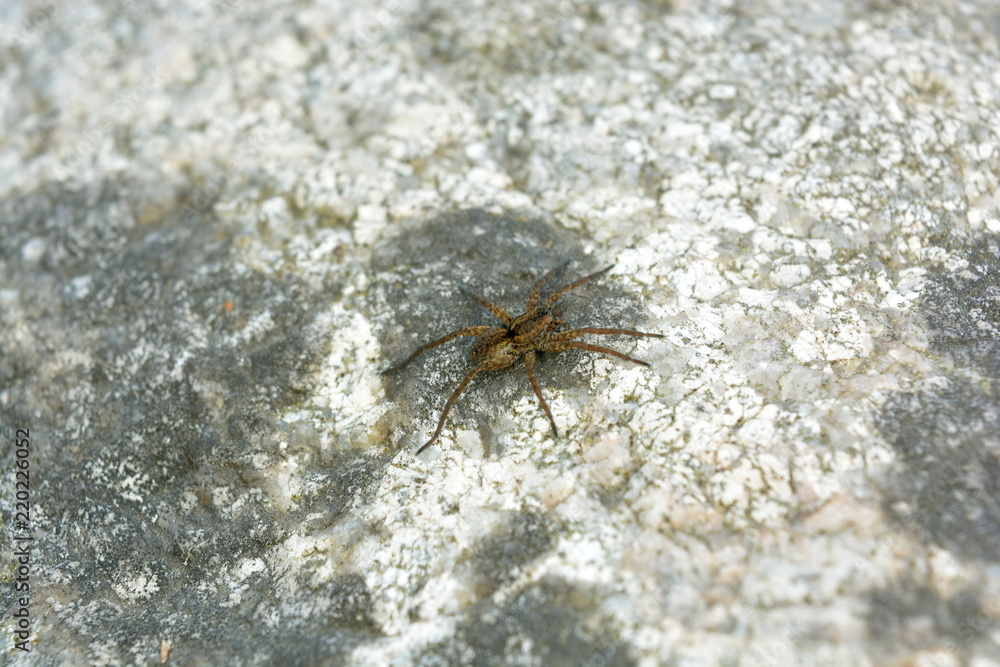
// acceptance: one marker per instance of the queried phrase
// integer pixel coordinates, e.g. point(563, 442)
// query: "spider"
point(538, 329)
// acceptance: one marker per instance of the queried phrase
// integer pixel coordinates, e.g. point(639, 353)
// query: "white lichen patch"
point(136, 586)
point(233, 583)
point(349, 386)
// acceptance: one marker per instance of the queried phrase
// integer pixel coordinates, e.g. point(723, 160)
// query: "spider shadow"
point(416, 296)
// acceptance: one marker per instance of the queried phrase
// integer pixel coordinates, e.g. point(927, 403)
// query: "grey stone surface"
point(219, 222)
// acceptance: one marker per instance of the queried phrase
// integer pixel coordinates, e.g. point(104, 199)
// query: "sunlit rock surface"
point(219, 223)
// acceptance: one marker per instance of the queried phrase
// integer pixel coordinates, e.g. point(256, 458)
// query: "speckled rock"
point(219, 223)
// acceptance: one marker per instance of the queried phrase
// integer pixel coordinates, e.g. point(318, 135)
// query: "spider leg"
point(537, 289)
point(575, 344)
point(467, 331)
point(451, 401)
point(497, 311)
point(576, 333)
point(490, 365)
point(552, 298)
point(529, 364)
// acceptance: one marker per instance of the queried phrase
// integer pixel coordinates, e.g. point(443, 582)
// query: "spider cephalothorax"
point(538, 329)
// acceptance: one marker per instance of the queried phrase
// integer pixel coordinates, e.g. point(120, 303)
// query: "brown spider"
point(538, 329)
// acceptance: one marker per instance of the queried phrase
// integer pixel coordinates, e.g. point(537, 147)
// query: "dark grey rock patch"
point(946, 488)
point(963, 310)
point(913, 615)
point(499, 559)
point(948, 437)
point(153, 438)
point(549, 623)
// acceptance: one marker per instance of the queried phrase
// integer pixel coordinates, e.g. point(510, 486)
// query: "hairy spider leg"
point(492, 365)
point(560, 346)
point(497, 311)
point(529, 364)
point(467, 331)
point(576, 333)
point(552, 298)
point(537, 289)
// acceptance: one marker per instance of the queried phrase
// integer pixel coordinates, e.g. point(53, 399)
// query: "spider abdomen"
point(494, 346)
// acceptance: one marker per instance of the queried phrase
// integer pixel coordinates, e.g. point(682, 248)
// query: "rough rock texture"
point(219, 222)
